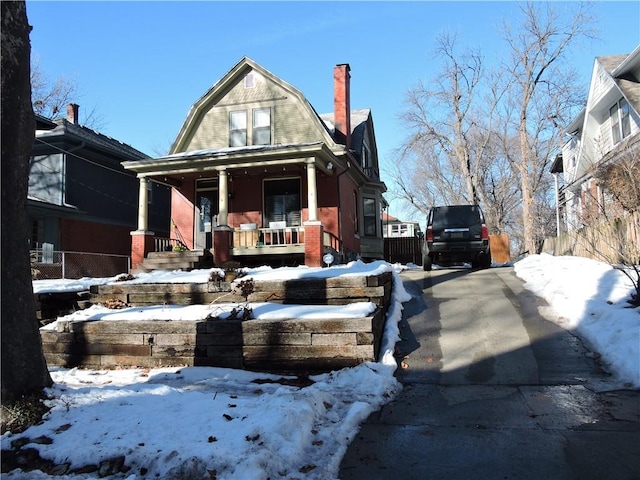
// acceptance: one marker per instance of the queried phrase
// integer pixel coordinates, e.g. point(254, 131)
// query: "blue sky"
point(143, 64)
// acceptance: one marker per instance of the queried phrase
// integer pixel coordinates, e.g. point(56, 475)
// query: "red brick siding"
point(182, 213)
point(141, 244)
point(313, 248)
point(92, 237)
point(221, 246)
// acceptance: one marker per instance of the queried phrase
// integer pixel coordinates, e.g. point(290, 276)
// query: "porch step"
point(188, 260)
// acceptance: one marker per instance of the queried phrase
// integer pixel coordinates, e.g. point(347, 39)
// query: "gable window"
point(238, 129)
point(620, 120)
point(262, 126)
point(369, 216)
point(249, 80)
point(282, 201)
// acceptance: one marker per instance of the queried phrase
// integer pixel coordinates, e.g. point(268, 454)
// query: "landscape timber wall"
point(291, 345)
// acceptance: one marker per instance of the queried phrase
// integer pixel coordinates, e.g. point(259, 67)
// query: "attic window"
point(620, 122)
point(249, 80)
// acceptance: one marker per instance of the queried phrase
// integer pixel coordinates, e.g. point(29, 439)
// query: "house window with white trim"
point(620, 120)
point(238, 129)
point(261, 126)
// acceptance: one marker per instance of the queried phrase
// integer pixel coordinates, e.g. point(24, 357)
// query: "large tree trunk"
point(24, 369)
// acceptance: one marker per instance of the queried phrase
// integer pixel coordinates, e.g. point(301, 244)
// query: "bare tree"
point(443, 118)
point(453, 155)
point(541, 95)
point(621, 177)
point(24, 369)
point(50, 98)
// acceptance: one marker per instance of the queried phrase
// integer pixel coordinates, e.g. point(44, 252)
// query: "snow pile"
point(590, 297)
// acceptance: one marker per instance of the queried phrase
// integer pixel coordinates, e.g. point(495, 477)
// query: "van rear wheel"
point(427, 263)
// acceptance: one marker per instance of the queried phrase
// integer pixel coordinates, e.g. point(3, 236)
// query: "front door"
point(206, 217)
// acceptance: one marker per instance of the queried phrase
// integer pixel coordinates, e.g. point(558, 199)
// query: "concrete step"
point(187, 260)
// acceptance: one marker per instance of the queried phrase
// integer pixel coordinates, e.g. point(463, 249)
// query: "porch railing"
point(162, 244)
point(265, 238)
point(332, 242)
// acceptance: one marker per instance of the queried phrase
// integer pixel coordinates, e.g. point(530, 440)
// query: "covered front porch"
point(244, 204)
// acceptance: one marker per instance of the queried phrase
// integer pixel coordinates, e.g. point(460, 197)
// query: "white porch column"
point(223, 198)
point(143, 205)
point(312, 190)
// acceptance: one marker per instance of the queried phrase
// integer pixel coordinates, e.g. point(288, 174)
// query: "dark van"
point(456, 234)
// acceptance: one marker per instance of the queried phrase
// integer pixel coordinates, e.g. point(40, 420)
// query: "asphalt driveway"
point(493, 390)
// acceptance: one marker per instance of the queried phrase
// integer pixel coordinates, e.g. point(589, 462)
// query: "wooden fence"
point(403, 250)
point(615, 242)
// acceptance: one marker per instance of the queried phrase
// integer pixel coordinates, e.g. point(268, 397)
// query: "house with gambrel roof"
point(604, 131)
point(259, 177)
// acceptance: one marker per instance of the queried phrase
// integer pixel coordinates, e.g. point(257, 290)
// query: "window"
point(249, 80)
point(370, 217)
point(620, 120)
point(400, 230)
point(356, 221)
point(366, 158)
point(238, 129)
point(262, 126)
point(282, 201)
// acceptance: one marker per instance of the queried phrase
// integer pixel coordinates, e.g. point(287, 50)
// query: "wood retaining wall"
point(291, 345)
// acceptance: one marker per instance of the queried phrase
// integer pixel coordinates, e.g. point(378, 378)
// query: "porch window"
point(262, 126)
point(620, 120)
point(282, 201)
point(370, 217)
point(238, 129)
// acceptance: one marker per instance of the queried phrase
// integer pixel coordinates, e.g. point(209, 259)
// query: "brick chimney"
point(72, 113)
point(342, 102)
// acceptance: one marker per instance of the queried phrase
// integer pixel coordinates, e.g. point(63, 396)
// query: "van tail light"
point(485, 232)
point(429, 234)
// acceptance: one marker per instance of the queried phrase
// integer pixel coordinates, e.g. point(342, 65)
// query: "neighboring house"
point(259, 177)
point(80, 197)
point(394, 228)
point(607, 128)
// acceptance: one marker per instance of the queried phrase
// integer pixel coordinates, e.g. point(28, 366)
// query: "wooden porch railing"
point(162, 244)
point(332, 241)
point(268, 237)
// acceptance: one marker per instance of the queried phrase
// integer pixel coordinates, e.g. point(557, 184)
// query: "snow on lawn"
point(590, 298)
point(189, 422)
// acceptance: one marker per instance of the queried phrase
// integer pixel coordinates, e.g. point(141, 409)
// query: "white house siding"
point(593, 138)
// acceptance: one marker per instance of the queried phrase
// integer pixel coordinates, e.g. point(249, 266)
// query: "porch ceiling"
point(214, 160)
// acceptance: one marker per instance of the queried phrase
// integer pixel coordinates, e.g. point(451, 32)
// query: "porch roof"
point(217, 159)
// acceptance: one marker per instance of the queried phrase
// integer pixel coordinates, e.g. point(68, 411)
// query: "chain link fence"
point(50, 264)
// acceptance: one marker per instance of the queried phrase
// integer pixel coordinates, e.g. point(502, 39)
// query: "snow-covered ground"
point(590, 298)
point(202, 422)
